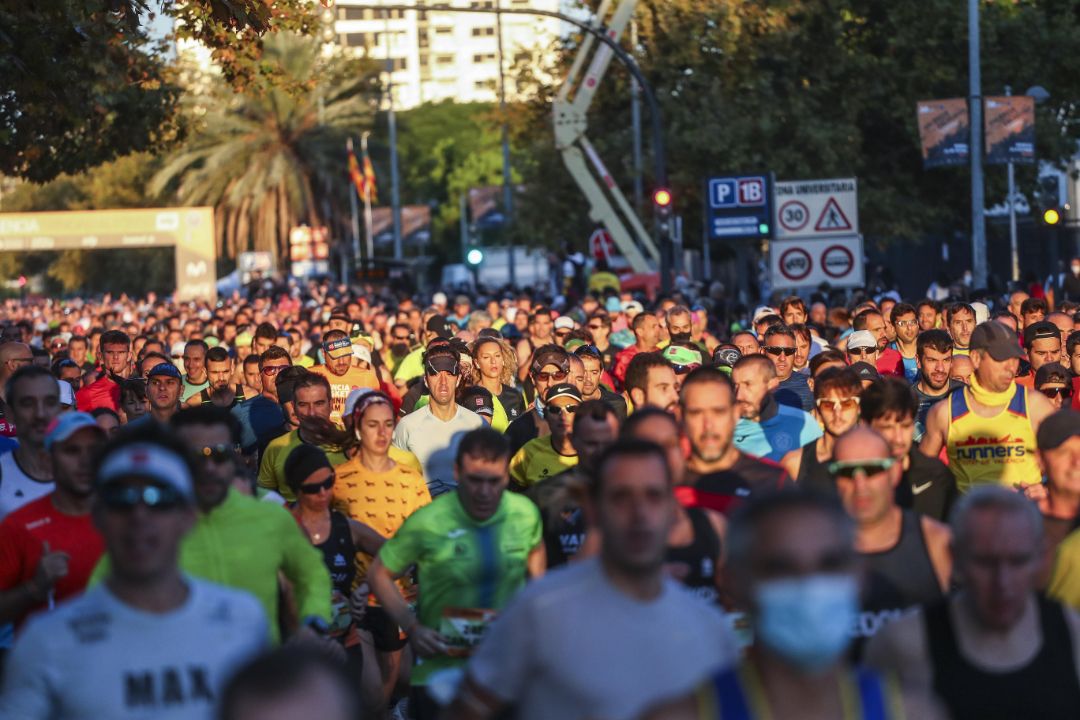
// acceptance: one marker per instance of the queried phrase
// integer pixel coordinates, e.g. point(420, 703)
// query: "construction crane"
point(607, 203)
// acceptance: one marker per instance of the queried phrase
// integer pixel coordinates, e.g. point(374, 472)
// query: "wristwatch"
point(317, 625)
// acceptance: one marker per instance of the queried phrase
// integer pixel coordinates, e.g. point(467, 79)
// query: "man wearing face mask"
point(997, 648)
point(793, 568)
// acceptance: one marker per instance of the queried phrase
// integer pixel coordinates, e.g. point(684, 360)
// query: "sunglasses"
point(216, 453)
point(556, 411)
point(850, 468)
point(596, 326)
point(838, 405)
point(124, 498)
point(861, 351)
point(1064, 392)
point(549, 376)
point(906, 323)
point(316, 488)
point(778, 350)
point(273, 369)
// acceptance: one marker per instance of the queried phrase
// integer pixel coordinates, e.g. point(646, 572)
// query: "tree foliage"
point(812, 88)
point(270, 157)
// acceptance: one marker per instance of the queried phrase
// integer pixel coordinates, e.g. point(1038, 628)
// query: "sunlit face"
point(747, 344)
point(778, 348)
point(1043, 351)
point(593, 371)
point(936, 368)
point(898, 431)
point(962, 369)
point(751, 387)
point(219, 374)
point(907, 328)
point(838, 410)
point(994, 375)
point(481, 484)
point(961, 325)
point(376, 429)
point(927, 318)
point(635, 509)
point(709, 417)
point(312, 401)
point(163, 392)
point(875, 324)
point(997, 561)
point(489, 360)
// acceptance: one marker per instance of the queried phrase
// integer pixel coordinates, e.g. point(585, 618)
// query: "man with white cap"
point(862, 347)
point(148, 641)
point(344, 375)
point(49, 547)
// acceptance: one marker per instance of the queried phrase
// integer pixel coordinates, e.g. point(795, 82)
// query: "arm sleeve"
point(403, 549)
point(502, 664)
point(304, 568)
point(28, 686)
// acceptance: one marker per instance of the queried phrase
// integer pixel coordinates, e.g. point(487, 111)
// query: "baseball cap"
point(441, 358)
point(479, 400)
point(683, 358)
point(550, 355)
point(1052, 373)
point(997, 340)
point(564, 322)
point(633, 307)
point(166, 369)
point(982, 312)
point(1055, 429)
point(439, 325)
point(361, 352)
point(67, 424)
point(866, 371)
point(462, 300)
point(763, 311)
point(439, 298)
point(612, 305)
point(1040, 331)
point(726, 356)
point(342, 347)
point(150, 461)
point(562, 390)
point(861, 339)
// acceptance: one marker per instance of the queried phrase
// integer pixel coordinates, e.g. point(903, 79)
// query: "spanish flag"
point(369, 178)
point(354, 170)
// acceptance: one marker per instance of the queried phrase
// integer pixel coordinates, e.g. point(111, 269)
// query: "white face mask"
point(808, 621)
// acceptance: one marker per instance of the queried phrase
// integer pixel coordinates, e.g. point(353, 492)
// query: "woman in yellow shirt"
point(374, 489)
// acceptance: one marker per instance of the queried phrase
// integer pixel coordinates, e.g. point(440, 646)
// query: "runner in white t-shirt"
point(148, 642)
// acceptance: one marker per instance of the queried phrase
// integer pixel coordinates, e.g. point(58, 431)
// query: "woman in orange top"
point(374, 489)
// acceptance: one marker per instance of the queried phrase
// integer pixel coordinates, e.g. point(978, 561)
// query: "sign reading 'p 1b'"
point(739, 207)
point(837, 261)
point(817, 208)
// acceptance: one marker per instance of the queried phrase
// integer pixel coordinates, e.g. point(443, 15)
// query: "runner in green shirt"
point(472, 548)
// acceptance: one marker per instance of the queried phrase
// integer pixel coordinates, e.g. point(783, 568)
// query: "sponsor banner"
point(944, 131)
point(1010, 129)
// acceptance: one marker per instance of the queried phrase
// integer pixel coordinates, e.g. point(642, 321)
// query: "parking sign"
point(739, 207)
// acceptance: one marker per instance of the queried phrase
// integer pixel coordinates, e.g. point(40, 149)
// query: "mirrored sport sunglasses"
point(1065, 392)
point(124, 498)
point(556, 411)
point(778, 350)
point(316, 488)
point(838, 405)
point(850, 468)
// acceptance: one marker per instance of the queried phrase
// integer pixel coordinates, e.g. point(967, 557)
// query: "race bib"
point(464, 628)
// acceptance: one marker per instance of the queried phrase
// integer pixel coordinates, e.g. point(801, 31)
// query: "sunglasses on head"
point(124, 498)
point(217, 453)
point(838, 405)
point(850, 468)
point(778, 350)
point(316, 488)
point(557, 376)
point(556, 411)
point(1065, 392)
point(860, 351)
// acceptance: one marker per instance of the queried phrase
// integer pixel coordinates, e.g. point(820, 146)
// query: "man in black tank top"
point(836, 401)
point(995, 650)
point(906, 556)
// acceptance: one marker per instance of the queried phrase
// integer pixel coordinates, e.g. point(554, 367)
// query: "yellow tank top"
point(999, 449)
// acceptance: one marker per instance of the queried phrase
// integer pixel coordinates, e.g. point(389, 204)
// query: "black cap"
point(302, 462)
point(1039, 331)
point(479, 400)
point(866, 371)
point(551, 355)
point(1052, 373)
point(726, 356)
point(996, 339)
point(562, 390)
point(1057, 428)
point(439, 325)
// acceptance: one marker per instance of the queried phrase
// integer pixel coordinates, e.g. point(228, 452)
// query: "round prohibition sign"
point(794, 215)
point(837, 261)
point(795, 263)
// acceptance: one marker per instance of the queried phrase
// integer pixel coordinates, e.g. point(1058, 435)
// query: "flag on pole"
point(354, 170)
point(369, 178)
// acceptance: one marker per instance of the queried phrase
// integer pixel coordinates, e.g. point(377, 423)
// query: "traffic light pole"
point(600, 32)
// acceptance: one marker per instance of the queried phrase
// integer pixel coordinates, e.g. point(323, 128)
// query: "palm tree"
point(273, 156)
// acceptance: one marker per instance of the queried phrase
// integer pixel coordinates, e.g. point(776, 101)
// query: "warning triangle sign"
point(833, 218)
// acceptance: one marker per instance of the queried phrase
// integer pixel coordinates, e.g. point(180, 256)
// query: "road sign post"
point(739, 207)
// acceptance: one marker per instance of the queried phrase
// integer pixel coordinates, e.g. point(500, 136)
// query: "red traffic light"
point(22, 281)
point(662, 198)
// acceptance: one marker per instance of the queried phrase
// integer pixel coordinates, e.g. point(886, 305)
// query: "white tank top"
point(16, 487)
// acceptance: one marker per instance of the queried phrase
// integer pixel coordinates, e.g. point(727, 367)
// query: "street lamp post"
point(975, 151)
point(508, 195)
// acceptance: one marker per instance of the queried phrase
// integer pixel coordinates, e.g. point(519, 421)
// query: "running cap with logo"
point(479, 400)
point(764, 311)
point(150, 461)
point(439, 325)
point(165, 369)
point(1055, 429)
point(997, 340)
point(361, 352)
point(441, 358)
point(1040, 331)
point(336, 349)
point(67, 424)
point(861, 339)
point(726, 356)
point(633, 307)
point(564, 322)
point(683, 358)
point(562, 390)
point(551, 355)
point(866, 371)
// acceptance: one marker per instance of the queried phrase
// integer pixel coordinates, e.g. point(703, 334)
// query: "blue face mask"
point(807, 621)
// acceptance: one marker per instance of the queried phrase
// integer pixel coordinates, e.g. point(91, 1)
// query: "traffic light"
point(662, 200)
point(474, 257)
point(1051, 216)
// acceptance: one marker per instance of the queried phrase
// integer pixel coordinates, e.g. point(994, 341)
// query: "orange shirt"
point(342, 385)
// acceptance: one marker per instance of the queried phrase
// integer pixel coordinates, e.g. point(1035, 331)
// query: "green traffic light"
point(474, 256)
point(763, 228)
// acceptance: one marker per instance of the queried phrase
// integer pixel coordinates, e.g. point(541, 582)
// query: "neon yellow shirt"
point(537, 460)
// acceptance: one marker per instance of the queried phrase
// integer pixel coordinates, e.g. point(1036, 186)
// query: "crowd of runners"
point(330, 503)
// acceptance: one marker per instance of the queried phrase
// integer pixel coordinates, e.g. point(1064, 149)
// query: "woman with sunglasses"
point(338, 538)
point(381, 492)
point(494, 362)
